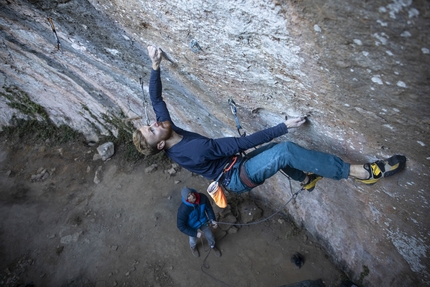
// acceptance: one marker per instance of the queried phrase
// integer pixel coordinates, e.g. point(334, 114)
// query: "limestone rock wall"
point(358, 69)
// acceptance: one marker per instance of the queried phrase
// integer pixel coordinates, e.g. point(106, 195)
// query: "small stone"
point(171, 171)
point(97, 157)
point(106, 150)
point(232, 230)
point(151, 168)
point(45, 176)
point(97, 175)
point(176, 166)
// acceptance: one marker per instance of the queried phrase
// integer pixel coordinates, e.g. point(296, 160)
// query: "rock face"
point(358, 70)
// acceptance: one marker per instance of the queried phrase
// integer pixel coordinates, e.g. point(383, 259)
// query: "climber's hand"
point(155, 54)
point(295, 122)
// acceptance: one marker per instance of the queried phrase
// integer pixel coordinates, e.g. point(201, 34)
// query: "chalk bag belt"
point(245, 178)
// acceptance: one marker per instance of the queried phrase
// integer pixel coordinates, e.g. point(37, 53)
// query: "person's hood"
point(185, 192)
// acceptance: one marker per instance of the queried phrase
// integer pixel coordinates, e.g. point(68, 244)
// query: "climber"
point(209, 157)
point(195, 215)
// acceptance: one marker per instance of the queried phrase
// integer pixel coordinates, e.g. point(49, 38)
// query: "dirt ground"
point(60, 228)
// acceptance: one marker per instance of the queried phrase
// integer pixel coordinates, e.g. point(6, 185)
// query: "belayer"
point(196, 216)
point(210, 157)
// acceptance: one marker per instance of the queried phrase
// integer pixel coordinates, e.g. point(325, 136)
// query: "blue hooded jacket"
point(192, 216)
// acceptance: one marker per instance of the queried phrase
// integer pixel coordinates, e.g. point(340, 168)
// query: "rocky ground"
point(71, 219)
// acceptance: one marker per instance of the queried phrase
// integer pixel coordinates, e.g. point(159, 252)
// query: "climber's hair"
point(142, 145)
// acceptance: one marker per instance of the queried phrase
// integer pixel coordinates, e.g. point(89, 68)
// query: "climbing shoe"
point(312, 181)
point(298, 260)
point(216, 251)
point(195, 251)
point(383, 168)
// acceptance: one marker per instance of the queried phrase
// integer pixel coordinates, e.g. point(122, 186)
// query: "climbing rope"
point(294, 195)
point(205, 265)
point(267, 218)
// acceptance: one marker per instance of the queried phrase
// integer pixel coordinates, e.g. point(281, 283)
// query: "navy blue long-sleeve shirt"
point(200, 154)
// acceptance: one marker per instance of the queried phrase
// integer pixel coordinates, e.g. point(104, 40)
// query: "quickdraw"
point(194, 46)
point(55, 32)
point(234, 111)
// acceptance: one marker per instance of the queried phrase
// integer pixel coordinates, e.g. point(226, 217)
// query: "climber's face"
point(191, 198)
point(157, 132)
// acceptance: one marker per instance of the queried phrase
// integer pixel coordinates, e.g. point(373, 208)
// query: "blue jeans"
point(293, 159)
point(208, 234)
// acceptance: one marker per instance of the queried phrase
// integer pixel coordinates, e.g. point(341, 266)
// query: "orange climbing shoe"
point(383, 168)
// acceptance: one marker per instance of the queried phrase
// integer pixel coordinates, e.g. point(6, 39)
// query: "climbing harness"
point(145, 102)
point(246, 180)
point(55, 33)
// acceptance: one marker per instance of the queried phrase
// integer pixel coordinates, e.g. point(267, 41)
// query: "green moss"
point(38, 125)
point(293, 231)
point(124, 138)
point(30, 131)
point(363, 274)
point(96, 119)
point(20, 101)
